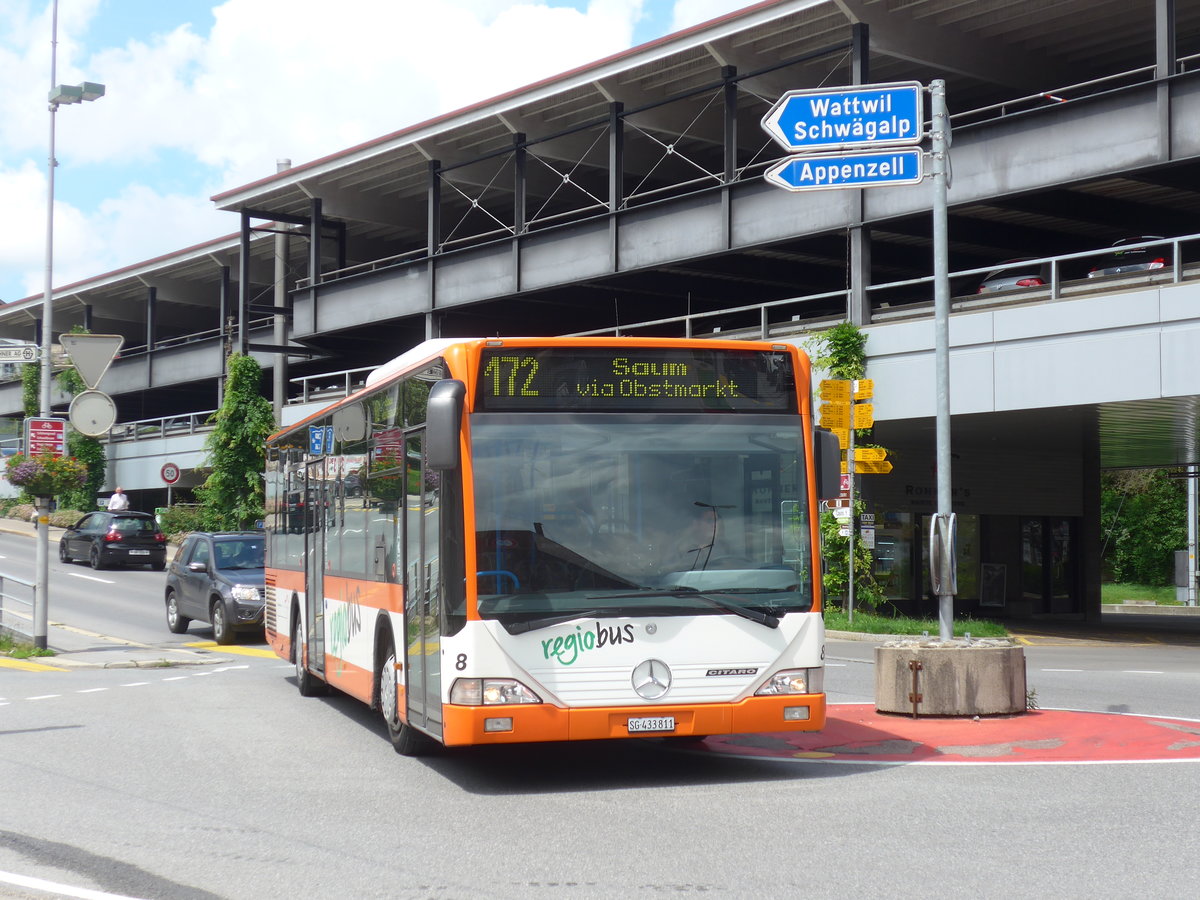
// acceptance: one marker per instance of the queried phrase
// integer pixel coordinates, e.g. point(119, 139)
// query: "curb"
point(65, 661)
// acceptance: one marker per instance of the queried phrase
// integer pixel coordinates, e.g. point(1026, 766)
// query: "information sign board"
point(46, 434)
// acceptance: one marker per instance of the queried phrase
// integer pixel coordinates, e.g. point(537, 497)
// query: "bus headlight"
point(490, 692)
point(794, 681)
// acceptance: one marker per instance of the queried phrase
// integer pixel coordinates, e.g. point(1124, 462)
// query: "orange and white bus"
point(550, 539)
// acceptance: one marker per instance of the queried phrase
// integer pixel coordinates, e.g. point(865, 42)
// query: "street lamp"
point(59, 94)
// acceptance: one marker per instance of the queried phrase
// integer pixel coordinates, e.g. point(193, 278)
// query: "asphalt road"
point(221, 781)
point(126, 603)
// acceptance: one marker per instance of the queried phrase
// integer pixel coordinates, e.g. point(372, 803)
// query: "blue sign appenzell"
point(822, 171)
point(874, 115)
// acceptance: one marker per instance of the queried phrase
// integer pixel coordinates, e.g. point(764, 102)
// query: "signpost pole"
point(939, 146)
point(850, 472)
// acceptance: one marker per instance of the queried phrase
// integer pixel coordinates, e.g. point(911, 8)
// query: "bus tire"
point(308, 683)
point(406, 740)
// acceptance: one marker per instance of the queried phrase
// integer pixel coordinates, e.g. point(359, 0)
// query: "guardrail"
point(329, 384)
point(163, 426)
point(16, 612)
point(913, 298)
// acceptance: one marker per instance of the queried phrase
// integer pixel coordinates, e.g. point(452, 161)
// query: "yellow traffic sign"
point(864, 389)
point(872, 467)
point(835, 415)
point(835, 389)
point(843, 436)
point(871, 454)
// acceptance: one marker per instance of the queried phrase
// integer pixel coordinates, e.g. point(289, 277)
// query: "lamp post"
point(59, 94)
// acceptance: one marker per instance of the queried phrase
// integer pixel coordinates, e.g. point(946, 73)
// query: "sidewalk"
point(76, 648)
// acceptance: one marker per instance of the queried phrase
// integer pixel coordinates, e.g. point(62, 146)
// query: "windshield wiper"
point(546, 622)
point(688, 593)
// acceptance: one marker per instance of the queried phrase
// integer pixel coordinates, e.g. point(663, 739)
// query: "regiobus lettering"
point(566, 648)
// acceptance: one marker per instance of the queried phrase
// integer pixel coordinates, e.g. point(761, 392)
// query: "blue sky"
point(187, 112)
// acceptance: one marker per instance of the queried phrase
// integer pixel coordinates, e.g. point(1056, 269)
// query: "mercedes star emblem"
point(651, 679)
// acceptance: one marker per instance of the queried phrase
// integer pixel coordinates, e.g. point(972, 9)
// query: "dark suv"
point(217, 577)
point(115, 539)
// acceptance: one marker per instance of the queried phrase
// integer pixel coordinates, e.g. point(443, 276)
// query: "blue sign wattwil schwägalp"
point(874, 115)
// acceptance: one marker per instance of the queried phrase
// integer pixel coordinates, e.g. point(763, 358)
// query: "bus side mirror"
point(827, 454)
point(443, 419)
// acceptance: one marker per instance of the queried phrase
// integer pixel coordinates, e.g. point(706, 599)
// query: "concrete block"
point(954, 678)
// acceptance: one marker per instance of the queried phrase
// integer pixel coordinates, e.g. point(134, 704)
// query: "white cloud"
point(273, 79)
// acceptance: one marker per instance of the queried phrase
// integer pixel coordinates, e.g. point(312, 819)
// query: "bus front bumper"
point(536, 722)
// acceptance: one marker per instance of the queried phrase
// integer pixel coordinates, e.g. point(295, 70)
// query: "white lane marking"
point(91, 578)
point(62, 890)
point(229, 668)
point(1139, 672)
point(92, 691)
point(177, 678)
point(135, 684)
point(44, 697)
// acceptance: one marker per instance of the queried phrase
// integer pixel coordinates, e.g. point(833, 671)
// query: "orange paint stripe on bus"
point(543, 722)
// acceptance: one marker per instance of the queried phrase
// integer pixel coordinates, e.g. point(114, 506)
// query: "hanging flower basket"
point(45, 475)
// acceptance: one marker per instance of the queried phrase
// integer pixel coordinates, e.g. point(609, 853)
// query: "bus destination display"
point(521, 379)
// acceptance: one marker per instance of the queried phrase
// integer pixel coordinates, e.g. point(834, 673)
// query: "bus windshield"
point(620, 515)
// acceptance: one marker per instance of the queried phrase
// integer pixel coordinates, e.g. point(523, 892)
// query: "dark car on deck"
point(217, 577)
point(124, 538)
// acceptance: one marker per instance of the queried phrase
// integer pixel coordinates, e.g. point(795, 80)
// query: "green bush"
point(1143, 515)
point(178, 520)
point(60, 518)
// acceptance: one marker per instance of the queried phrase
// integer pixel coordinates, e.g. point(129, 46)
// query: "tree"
point(233, 493)
point(1143, 519)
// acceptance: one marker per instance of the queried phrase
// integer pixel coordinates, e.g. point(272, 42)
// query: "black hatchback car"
point(123, 538)
point(217, 577)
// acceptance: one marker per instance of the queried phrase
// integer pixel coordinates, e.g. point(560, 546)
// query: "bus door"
point(422, 593)
point(316, 501)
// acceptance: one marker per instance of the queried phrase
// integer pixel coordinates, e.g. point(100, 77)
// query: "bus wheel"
point(310, 685)
point(405, 739)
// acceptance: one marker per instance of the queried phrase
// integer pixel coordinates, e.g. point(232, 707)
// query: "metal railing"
point(163, 426)
point(913, 298)
point(329, 384)
point(16, 612)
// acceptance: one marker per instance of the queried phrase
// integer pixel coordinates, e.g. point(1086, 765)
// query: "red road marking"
point(857, 733)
